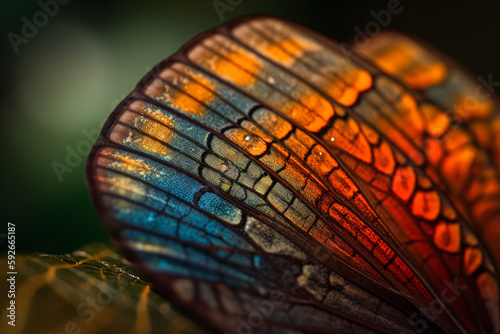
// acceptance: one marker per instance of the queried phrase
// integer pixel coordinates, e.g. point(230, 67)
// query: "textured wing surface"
point(247, 178)
point(452, 125)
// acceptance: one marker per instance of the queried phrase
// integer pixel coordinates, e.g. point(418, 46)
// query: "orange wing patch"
point(246, 140)
point(292, 49)
point(149, 135)
point(404, 182)
point(401, 57)
point(241, 76)
point(263, 81)
point(447, 237)
point(181, 93)
point(426, 204)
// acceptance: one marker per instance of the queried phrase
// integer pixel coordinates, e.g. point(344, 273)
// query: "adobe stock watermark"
point(448, 295)
point(381, 19)
point(30, 27)
point(265, 308)
point(89, 309)
point(262, 309)
point(487, 84)
point(76, 154)
point(223, 6)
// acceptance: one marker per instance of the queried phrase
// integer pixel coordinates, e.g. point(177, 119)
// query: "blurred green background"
point(68, 77)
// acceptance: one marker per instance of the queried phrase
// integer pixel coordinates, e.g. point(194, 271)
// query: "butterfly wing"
point(456, 135)
point(243, 179)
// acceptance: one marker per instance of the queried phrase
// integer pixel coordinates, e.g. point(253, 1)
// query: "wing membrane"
point(255, 163)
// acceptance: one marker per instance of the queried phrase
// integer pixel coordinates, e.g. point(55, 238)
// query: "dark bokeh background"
point(76, 68)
